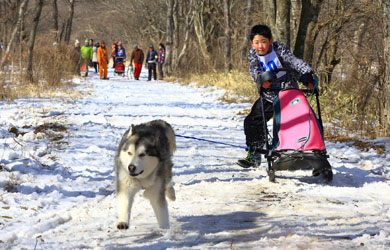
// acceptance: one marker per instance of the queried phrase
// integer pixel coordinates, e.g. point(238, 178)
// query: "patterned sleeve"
point(254, 66)
point(294, 62)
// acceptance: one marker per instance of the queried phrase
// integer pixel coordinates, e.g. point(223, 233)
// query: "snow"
point(57, 182)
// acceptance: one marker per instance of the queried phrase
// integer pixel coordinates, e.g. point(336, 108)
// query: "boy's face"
point(261, 44)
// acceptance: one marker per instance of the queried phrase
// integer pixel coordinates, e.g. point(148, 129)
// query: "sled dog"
point(143, 161)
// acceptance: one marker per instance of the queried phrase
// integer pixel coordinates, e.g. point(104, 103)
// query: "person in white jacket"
point(94, 57)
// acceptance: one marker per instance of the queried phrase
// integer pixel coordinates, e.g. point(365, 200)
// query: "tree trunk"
point(307, 30)
point(68, 26)
point(188, 29)
point(386, 56)
point(169, 45)
point(21, 41)
point(277, 17)
point(228, 35)
point(14, 32)
point(176, 32)
point(54, 15)
point(248, 22)
point(200, 31)
point(282, 21)
point(31, 42)
point(269, 10)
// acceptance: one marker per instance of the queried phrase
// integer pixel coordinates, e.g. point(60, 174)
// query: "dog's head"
point(139, 152)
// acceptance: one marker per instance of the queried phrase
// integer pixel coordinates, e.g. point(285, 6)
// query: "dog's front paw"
point(122, 226)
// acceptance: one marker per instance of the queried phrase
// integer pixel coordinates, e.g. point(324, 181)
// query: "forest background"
point(346, 41)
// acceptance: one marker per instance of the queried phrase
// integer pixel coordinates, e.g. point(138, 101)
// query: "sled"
point(119, 66)
point(297, 142)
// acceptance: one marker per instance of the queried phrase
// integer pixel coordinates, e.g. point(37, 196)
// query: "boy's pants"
point(253, 123)
point(152, 70)
point(137, 69)
point(103, 67)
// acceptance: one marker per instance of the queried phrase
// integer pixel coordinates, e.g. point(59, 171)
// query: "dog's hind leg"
point(170, 191)
point(159, 204)
point(125, 198)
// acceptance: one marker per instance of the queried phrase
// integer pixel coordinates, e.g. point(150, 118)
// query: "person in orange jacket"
point(102, 60)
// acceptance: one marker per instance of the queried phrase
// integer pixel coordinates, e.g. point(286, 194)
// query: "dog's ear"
point(131, 130)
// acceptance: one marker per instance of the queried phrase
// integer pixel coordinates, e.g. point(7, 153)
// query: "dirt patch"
point(53, 131)
point(361, 145)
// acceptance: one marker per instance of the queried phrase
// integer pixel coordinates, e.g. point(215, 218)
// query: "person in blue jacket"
point(151, 61)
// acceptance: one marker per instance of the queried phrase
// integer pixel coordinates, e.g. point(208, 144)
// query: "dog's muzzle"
point(132, 168)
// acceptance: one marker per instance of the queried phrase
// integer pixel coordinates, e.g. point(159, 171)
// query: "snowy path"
point(59, 194)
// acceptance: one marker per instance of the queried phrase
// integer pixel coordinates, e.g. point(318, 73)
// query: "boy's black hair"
point(262, 30)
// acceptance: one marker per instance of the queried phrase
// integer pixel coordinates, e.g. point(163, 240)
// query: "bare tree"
point(199, 26)
point(328, 58)
point(228, 33)
point(386, 56)
point(176, 33)
point(169, 45)
point(15, 30)
point(248, 23)
point(69, 21)
point(31, 42)
point(307, 30)
point(282, 21)
point(54, 15)
point(21, 39)
point(188, 27)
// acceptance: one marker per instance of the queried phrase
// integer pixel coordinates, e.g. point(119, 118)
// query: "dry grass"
point(239, 86)
point(53, 69)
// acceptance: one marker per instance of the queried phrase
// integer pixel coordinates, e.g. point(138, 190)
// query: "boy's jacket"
point(287, 60)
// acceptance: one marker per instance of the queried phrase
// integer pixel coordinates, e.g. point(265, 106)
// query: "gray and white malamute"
point(143, 161)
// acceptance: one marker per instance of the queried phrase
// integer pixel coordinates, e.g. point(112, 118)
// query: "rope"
point(216, 142)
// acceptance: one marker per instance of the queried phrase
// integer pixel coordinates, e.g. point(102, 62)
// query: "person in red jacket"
point(138, 57)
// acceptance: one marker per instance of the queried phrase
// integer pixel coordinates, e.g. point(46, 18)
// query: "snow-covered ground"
point(57, 181)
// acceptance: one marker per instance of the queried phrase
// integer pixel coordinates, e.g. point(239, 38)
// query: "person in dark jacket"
point(114, 47)
point(137, 55)
point(120, 53)
point(76, 56)
point(266, 55)
point(151, 60)
point(161, 60)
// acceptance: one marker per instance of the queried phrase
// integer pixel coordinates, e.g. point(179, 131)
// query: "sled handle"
point(270, 76)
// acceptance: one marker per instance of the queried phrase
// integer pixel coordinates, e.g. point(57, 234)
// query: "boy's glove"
point(306, 79)
point(266, 84)
point(310, 86)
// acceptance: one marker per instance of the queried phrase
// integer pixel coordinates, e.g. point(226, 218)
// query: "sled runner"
point(298, 141)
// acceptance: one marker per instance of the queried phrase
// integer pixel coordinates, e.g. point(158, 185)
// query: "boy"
point(266, 55)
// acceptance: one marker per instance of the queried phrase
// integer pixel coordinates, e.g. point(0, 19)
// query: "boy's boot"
point(252, 159)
